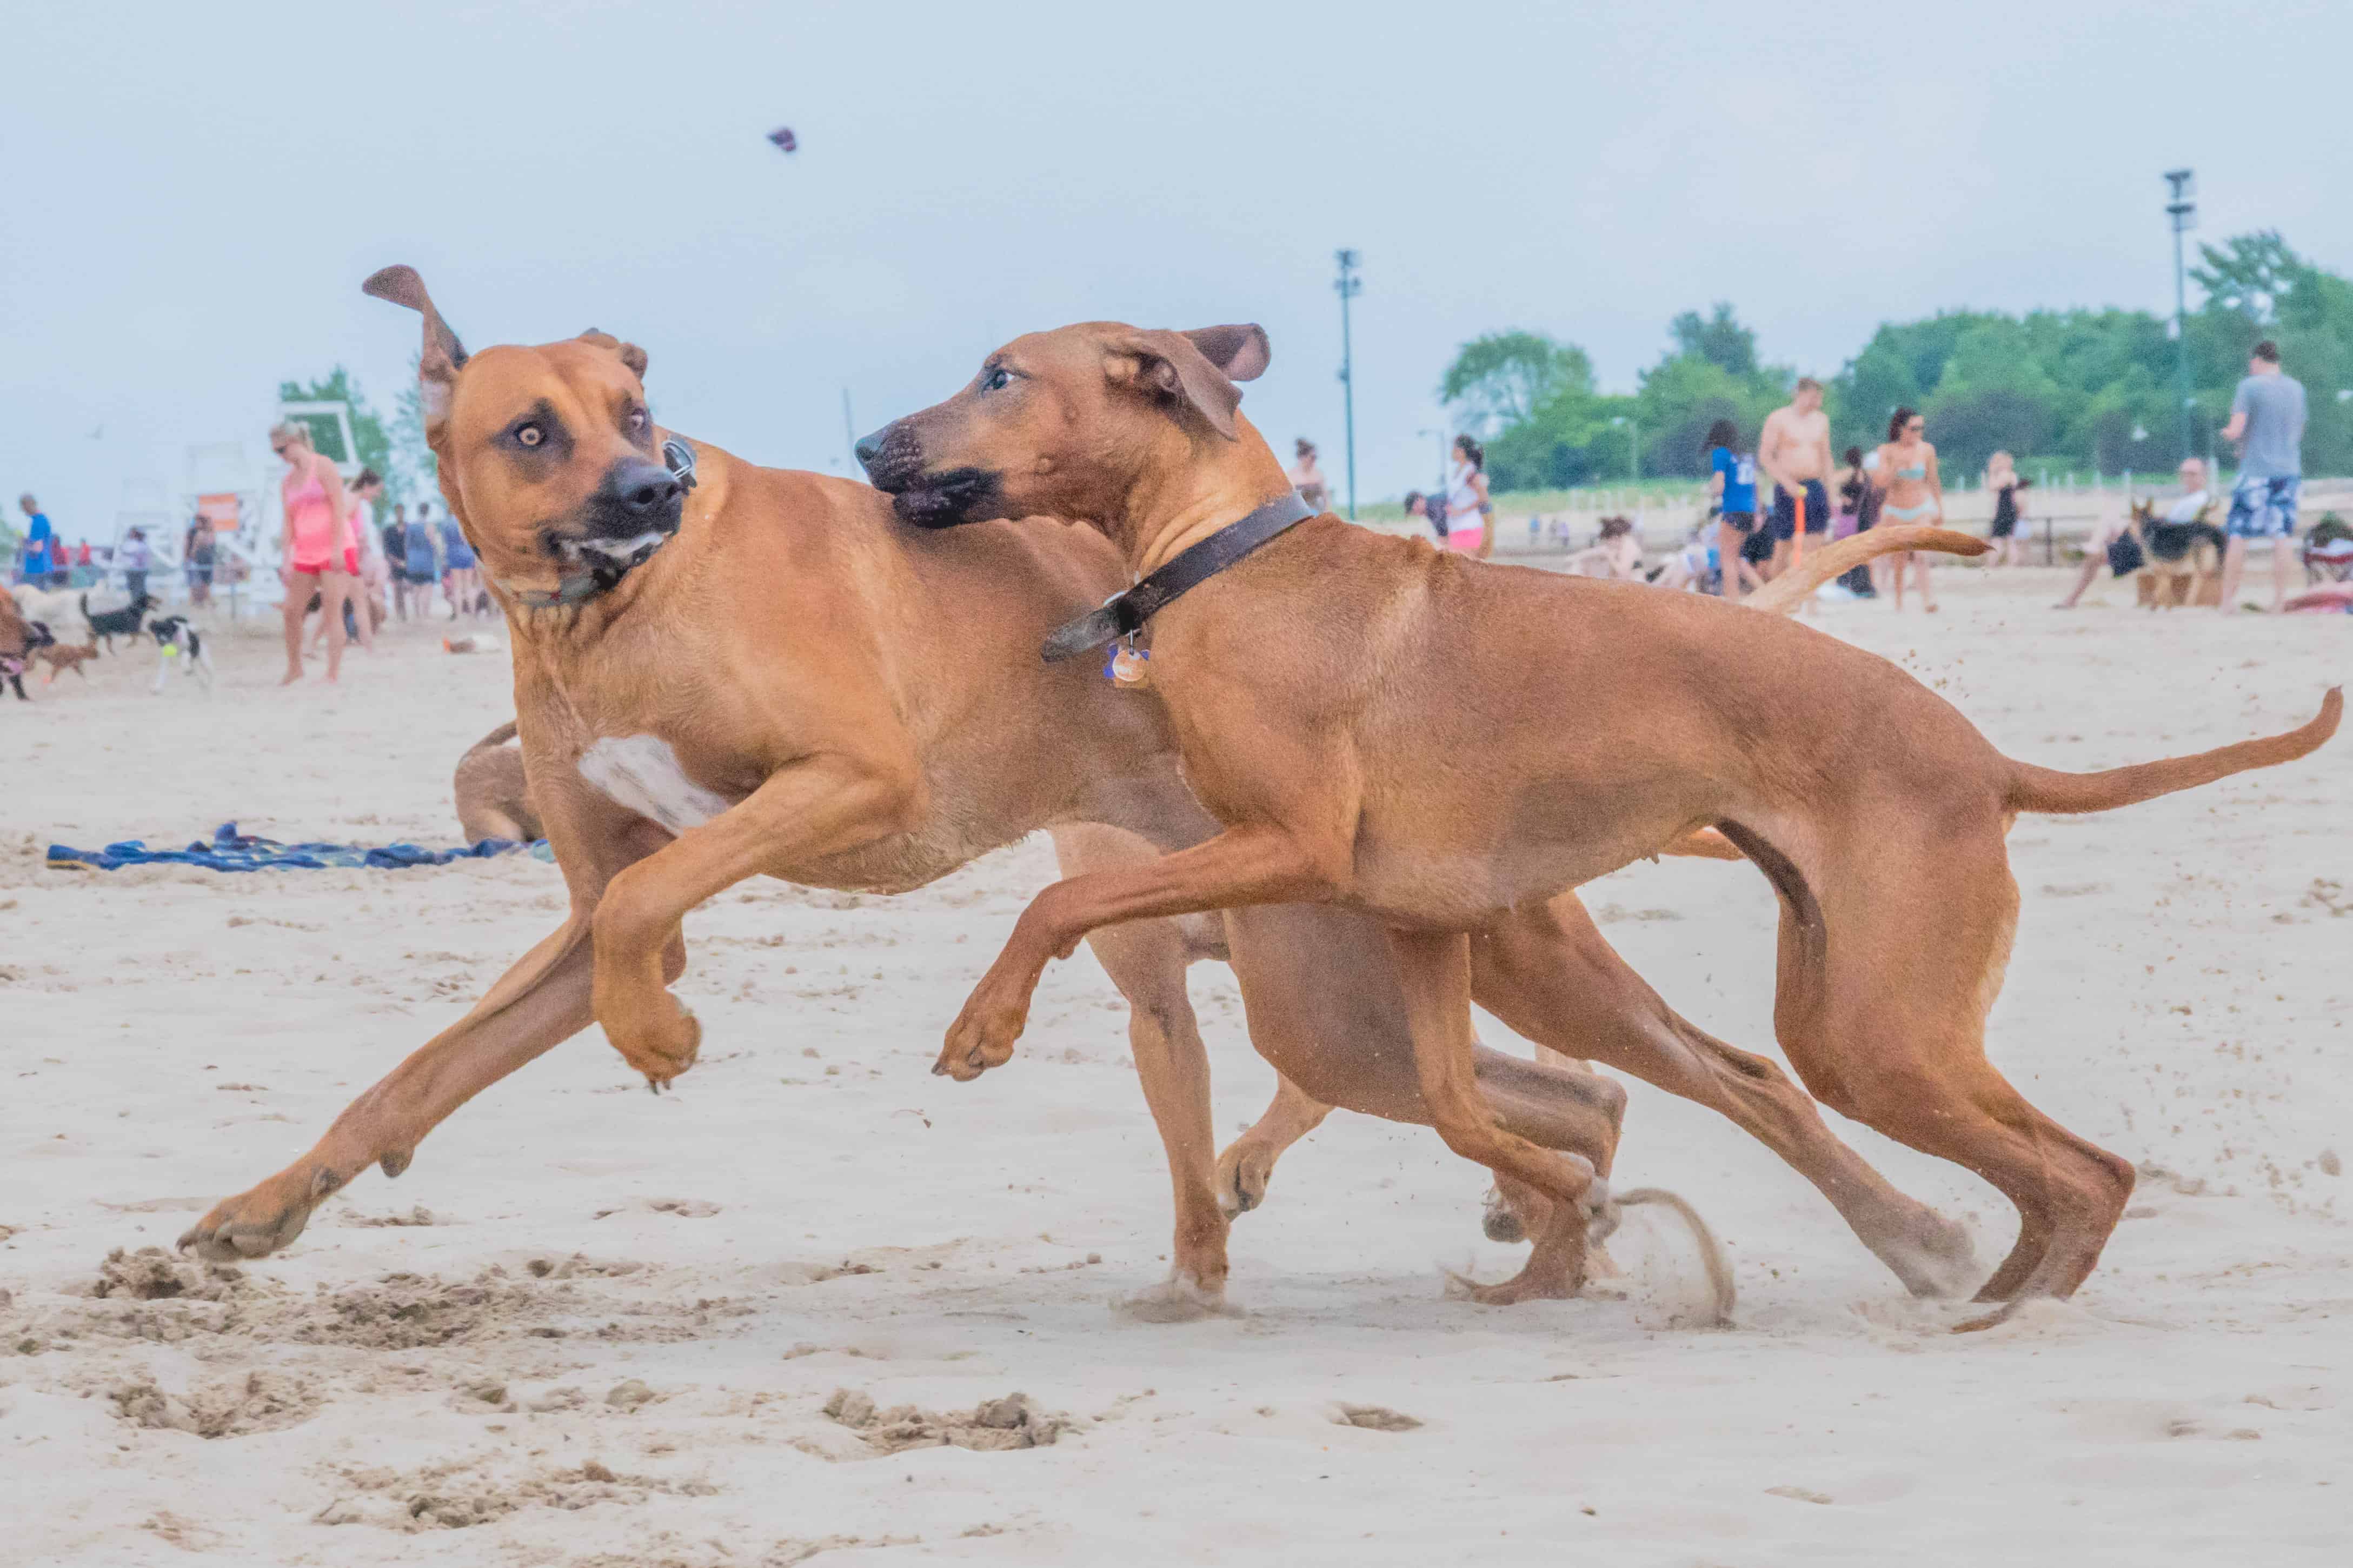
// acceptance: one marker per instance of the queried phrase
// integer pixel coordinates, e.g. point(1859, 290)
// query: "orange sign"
point(220, 511)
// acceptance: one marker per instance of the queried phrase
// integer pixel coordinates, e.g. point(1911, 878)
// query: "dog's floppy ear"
point(632, 355)
point(444, 355)
point(1241, 351)
point(1175, 365)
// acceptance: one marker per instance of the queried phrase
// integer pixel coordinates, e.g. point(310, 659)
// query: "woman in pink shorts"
point(322, 556)
point(1469, 515)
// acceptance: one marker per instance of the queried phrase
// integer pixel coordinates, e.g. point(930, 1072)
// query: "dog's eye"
point(530, 436)
point(995, 379)
point(637, 420)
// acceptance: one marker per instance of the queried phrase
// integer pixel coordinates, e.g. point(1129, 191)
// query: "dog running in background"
point(105, 625)
point(18, 639)
point(179, 638)
point(61, 657)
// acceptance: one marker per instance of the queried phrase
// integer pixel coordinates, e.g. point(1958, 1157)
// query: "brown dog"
point(62, 657)
point(774, 674)
point(1446, 744)
point(492, 795)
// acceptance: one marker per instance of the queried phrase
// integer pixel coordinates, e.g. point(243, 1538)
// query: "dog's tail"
point(497, 737)
point(1721, 1296)
point(1787, 591)
point(2049, 790)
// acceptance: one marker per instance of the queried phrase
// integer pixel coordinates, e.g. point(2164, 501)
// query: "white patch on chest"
point(641, 774)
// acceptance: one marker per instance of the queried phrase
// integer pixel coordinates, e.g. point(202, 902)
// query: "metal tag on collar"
point(678, 459)
point(1129, 666)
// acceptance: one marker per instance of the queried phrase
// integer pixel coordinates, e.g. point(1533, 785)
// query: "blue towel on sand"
point(233, 851)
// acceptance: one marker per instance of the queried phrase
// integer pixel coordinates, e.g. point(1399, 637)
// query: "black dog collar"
point(579, 587)
point(1124, 613)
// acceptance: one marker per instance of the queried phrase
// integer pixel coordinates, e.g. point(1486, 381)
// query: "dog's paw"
point(1180, 1299)
point(662, 1048)
point(982, 1037)
point(263, 1220)
point(1244, 1170)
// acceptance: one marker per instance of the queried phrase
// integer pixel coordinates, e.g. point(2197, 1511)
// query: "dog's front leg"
point(1256, 865)
point(817, 807)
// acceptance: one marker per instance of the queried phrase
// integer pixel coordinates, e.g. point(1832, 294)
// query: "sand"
point(594, 1327)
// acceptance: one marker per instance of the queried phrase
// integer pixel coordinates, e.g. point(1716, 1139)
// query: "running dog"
point(1445, 745)
point(772, 674)
point(62, 657)
point(125, 621)
point(179, 639)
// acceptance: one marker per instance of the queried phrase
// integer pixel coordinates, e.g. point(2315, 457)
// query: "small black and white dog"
point(179, 639)
point(105, 625)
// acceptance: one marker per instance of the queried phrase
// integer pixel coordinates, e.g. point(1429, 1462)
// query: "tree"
point(2249, 274)
point(1500, 379)
point(1718, 338)
point(418, 471)
point(371, 445)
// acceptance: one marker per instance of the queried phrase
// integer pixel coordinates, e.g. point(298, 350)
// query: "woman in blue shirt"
point(1732, 487)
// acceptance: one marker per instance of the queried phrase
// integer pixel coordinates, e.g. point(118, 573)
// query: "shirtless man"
point(1795, 449)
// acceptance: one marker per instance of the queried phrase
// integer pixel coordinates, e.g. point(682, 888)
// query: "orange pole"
point(1797, 548)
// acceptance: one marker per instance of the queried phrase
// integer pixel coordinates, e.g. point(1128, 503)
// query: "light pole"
point(1348, 286)
point(2183, 211)
point(1633, 445)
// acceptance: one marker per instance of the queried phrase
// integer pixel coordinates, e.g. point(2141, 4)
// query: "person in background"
point(360, 608)
point(136, 561)
point(43, 561)
point(2267, 422)
point(1855, 514)
point(317, 545)
point(2001, 478)
point(1911, 491)
point(196, 555)
point(85, 570)
point(2099, 550)
point(1732, 489)
point(1307, 479)
point(416, 560)
point(1795, 449)
point(396, 552)
point(1469, 514)
point(459, 579)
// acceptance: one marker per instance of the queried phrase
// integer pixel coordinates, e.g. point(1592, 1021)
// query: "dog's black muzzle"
point(893, 459)
point(633, 514)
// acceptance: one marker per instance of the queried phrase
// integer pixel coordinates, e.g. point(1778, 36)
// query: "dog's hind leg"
point(1547, 971)
point(1893, 1036)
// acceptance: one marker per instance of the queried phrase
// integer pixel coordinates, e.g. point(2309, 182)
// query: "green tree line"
point(2091, 390)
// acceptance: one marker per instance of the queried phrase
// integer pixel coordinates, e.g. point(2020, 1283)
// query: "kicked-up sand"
point(780, 1313)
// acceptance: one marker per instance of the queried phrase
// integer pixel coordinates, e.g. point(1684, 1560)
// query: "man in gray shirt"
point(2267, 421)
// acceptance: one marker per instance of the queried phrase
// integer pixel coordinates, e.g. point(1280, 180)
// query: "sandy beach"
point(594, 1327)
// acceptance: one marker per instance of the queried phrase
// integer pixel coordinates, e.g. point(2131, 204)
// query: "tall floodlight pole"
point(2183, 211)
point(1348, 286)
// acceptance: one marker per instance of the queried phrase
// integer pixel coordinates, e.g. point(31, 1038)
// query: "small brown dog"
point(1446, 745)
point(62, 657)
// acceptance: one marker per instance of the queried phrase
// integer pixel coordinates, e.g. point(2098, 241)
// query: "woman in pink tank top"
point(320, 554)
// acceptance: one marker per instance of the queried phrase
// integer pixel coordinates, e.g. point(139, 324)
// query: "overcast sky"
point(193, 194)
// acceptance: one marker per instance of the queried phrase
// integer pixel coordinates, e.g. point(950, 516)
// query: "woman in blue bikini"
point(1915, 492)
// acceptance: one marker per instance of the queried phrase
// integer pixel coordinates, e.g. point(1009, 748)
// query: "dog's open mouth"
point(596, 564)
point(949, 497)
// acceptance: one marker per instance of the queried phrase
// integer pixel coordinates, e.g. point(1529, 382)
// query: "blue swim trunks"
point(2263, 508)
